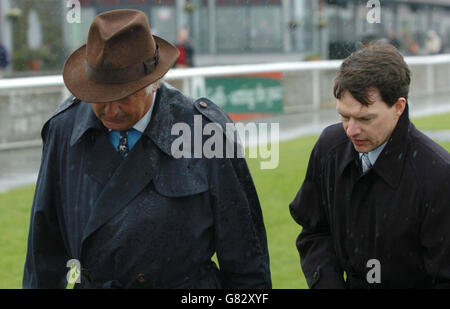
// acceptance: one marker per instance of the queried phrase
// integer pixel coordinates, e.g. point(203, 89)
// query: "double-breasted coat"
point(392, 222)
point(149, 220)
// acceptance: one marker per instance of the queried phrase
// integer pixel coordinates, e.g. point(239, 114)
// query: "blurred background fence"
point(259, 92)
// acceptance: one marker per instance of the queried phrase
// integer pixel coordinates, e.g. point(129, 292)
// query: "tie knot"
point(123, 147)
point(366, 164)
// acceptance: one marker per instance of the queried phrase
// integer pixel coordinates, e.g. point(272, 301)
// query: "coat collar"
point(390, 163)
point(85, 120)
point(123, 180)
point(158, 130)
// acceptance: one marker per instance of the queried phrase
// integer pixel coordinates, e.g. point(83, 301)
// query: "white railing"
point(428, 85)
point(188, 75)
point(57, 80)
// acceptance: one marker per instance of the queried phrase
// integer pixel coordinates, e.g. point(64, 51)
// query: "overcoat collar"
point(390, 163)
point(123, 180)
point(159, 129)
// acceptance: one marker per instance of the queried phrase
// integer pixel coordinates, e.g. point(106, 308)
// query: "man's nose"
point(112, 109)
point(353, 129)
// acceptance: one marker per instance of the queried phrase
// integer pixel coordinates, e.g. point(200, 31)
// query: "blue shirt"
point(374, 154)
point(135, 133)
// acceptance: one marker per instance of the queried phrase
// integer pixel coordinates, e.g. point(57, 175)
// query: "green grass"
point(436, 122)
point(14, 219)
point(276, 189)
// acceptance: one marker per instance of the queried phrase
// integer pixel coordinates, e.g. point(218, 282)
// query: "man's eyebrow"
point(370, 115)
point(366, 116)
point(342, 114)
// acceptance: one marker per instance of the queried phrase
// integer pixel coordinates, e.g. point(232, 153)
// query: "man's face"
point(123, 114)
point(368, 126)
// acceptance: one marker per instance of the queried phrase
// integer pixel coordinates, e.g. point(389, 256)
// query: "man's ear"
point(399, 107)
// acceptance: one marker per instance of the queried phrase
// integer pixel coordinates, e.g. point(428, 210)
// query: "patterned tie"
point(123, 148)
point(366, 165)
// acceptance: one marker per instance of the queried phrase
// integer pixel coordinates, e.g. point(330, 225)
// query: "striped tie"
point(123, 148)
point(366, 165)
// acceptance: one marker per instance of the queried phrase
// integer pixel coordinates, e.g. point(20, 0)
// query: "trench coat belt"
point(208, 269)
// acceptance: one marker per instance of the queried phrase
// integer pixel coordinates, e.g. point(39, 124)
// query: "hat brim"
point(78, 83)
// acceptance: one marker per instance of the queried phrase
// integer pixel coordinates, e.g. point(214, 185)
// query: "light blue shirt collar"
point(143, 123)
point(374, 154)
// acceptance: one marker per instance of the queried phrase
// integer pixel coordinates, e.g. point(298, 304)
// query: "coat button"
point(203, 104)
point(141, 278)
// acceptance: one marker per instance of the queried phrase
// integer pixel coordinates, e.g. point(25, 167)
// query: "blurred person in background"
point(433, 43)
point(410, 45)
point(393, 40)
point(186, 58)
point(3, 59)
point(375, 202)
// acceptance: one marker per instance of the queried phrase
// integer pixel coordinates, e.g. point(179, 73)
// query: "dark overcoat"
point(146, 221)
point(397, 213)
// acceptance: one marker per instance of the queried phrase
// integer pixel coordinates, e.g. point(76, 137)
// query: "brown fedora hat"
point(121, 57)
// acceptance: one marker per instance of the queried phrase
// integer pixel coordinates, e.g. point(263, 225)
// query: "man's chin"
point(116, 126)
point(362, 148)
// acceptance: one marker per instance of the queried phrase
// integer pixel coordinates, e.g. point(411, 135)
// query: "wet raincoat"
point(398, 213)
point(146, 221)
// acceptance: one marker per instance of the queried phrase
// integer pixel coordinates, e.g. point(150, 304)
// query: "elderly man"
point(112, 200)
point(375, 202)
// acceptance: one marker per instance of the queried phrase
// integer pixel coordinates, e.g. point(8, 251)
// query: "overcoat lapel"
point(102, 159)
point(129, 179)
point(123, 181)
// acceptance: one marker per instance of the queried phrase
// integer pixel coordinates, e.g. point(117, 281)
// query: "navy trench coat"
point(397, 213)
point(146, 221)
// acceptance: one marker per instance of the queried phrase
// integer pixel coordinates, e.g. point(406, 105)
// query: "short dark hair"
point(380, 65)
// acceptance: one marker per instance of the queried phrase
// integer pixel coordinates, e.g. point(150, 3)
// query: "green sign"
point(246, 94)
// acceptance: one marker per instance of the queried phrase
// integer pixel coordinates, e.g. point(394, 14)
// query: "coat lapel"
point(123, 183)
point(390, 163)
point(102, 160)
point(128, 180)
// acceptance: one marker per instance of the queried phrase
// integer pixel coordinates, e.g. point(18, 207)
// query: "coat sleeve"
point(240, 235)
point(435, 231)
point(315, 244)
point(45, 265)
